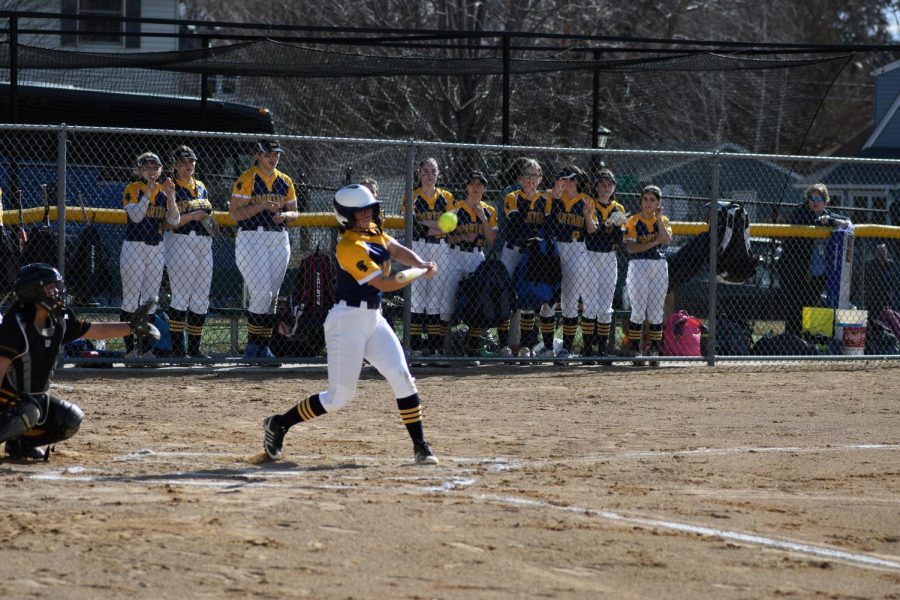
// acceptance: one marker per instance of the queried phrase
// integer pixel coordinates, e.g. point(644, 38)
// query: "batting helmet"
point(352, 198)
point(31, 281)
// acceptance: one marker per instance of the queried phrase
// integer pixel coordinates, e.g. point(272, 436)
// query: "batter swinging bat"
point(410, 274)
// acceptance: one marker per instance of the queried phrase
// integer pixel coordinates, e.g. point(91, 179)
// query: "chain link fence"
point(504, 292)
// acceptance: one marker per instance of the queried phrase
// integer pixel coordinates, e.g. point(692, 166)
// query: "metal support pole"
point(713, 260)
point(14, 69)
point(595, 107)
point(506, 90)
point(62, 156)
point(204, 79)
point(407, 234)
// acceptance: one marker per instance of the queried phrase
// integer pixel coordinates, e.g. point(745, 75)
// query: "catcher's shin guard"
point(62, 422)
point(20, 418)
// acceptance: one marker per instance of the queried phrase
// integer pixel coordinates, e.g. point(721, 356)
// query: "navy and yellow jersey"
point(565, 219)
point(525, 216)
point(191, 196)
point(642, 230)
point(429, 208)
point(362, 257)
point(33, 354)
point(607, 237)
point(255, 186)
point(148, 229)
point(468, 222)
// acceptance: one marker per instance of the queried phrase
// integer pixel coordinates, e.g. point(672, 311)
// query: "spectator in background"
point(880, 280)
point(803, 261)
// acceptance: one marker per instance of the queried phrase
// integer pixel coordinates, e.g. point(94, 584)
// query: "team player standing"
point(189, 257)
point(262, 201)
point(429, 301)
point(150, 206)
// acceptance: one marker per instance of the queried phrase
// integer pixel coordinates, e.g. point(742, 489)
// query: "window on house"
point(93, 31)
point(868, 207)
point(100, 31)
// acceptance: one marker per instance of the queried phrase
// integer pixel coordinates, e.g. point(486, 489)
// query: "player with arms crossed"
point(355, 328)
point(31, 334)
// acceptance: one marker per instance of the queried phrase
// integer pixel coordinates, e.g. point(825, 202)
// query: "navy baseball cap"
point(183, 152)
point(568, 173)
point(269, 146)
point(606, 174)
point(478, 175)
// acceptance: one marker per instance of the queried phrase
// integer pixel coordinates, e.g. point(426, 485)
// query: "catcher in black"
point(31, 334)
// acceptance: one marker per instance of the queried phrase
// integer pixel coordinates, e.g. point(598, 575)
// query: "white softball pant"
point(141, 267)
point(459, 264)
point(262, 258)
point(351, 335)
point(189, 260)
point(576, 280)
point(602, 275)
point(647, 283)
point(427, 295)
point(511, 257)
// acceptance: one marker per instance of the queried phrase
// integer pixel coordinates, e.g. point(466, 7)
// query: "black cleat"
point(424, 454)
point(16, 449)
point(274, 441)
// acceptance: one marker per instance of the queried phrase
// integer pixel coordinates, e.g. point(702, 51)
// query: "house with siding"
point(870, 193)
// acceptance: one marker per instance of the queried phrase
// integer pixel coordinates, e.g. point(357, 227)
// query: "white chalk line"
point(259, 478)
point(746, 538)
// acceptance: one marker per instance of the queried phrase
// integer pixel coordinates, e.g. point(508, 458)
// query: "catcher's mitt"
point(140, 321)
point(617, 219)
point(210, 225)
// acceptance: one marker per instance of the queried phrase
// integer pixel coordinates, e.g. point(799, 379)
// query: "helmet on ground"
point(31, 281)
point(352, 198)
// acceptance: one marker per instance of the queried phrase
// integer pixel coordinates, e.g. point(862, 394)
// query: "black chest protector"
point(31, 373)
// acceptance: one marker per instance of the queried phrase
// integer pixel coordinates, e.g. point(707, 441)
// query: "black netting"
point(688, 101)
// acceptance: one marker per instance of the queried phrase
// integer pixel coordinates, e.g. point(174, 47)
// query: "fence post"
point(407, 232)
point(713, 260)
point(13, 69)
point(61, 167)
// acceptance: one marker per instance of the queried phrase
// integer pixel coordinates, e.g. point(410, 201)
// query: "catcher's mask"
point(31, 287)
point(352, 198)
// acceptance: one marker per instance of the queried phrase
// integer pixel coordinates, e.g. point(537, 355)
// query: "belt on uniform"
point(430, 240)
point(512, 246)
point(570, 241)
point(259, 228)
point(373, 305)
point(461, 249)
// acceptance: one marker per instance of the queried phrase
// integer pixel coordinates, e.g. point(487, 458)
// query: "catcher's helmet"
point(352, 198)
point(31, 281)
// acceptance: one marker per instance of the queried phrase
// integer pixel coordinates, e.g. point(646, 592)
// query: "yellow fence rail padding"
point(116, 216)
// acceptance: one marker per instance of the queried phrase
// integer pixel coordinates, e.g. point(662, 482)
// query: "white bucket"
point(850, 328)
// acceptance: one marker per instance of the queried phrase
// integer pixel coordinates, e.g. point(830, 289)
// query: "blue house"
point(762, 186)
point(871, 193)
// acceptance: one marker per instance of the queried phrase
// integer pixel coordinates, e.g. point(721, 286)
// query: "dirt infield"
point(678, 482)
